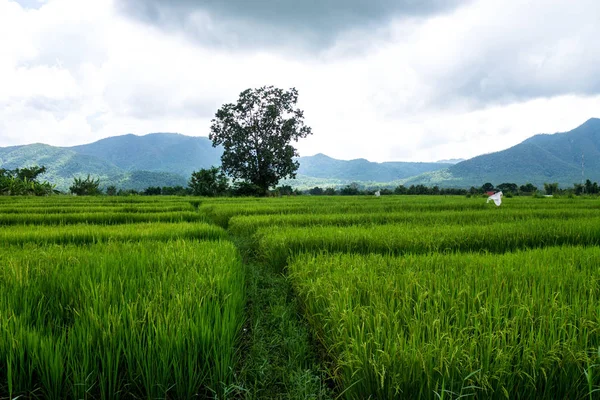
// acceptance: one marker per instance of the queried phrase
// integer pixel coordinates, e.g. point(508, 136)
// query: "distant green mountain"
point(167, 159)
point(361, 170)
point(155, 152)
point(543, 158)
point(127, 162)
point(62, 164)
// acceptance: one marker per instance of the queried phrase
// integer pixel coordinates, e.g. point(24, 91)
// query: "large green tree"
point(256, 135)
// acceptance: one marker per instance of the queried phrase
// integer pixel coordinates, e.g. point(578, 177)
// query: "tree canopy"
point(85, 187)
point(208, 182)
point(24, 181)
point(256, 135)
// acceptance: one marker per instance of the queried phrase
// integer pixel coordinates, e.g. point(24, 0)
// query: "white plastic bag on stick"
point(496, 198)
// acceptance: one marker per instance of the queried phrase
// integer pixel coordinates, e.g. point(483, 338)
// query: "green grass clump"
point(99, 218)
point(275, 245)
point(50, 208)
point(120, 320)
point(85, 234)
point(248, 225)
point(519, 325)
point(221, 212)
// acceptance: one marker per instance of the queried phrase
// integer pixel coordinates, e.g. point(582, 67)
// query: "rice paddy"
point(392, 297)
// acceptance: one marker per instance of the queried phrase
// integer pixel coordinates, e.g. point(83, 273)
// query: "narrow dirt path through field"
point(279, 359)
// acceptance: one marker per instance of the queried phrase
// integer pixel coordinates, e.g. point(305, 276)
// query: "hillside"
point(168, 159)
point(156, 152)
point(539, 159)
point(63, 164)
point(324, 167)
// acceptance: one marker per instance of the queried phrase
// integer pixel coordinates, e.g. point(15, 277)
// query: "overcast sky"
point(385, 80)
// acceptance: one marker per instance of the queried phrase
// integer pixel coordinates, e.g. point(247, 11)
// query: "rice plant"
point(85, 233)
point(119, 320)
point(248, 225)
point(99, 218)
point(275, 244)
point(519, 325)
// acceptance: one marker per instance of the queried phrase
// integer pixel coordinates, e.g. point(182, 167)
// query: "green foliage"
point(245, 189)
point(105, 217)
point(528, 188)
point(518, 325)
point(256, 135)
point(437, 297)
point(111, 190)
point(424, 190)
point(119, 320)
point(400, 189)
point(487, 187)
point(23, 182)
point(85, 187)
point(284, 190)
point(551, 188)
point(591, 188)
point(316, 191)
point(209, 182)
point(399, 296)
point(30, 173)
point(175, 191)
point(275, 244)
point(120, 298)
point(350, 190)
point(90, 233)
point(153, 191)
point(507, 188)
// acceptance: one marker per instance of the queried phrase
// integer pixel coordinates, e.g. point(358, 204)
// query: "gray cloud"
point(60, 108)
point(242, 23)
point(532, 51)
point(147, 103)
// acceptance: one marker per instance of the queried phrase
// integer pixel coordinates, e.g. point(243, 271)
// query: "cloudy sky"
point(386, 80)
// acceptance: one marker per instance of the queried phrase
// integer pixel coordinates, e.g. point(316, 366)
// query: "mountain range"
point(168, 159)
point(543, 158)
point(127, 162)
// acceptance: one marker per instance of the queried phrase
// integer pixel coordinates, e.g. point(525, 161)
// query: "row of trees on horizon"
point(213, 182)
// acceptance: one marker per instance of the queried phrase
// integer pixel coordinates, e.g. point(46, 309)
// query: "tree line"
point(24, 182)
point(214, 182)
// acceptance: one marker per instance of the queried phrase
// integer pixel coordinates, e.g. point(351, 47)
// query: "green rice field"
point(408, 297)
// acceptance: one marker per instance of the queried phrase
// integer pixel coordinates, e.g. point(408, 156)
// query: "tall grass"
point(100, 218)
point(70, 208)
point(85, 233)
point(276, 244)
point(119, 320)
point(523, 325)
point(220, 212)
point(248, 225)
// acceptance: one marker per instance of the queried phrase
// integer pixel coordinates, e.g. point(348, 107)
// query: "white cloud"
point(479, 79)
